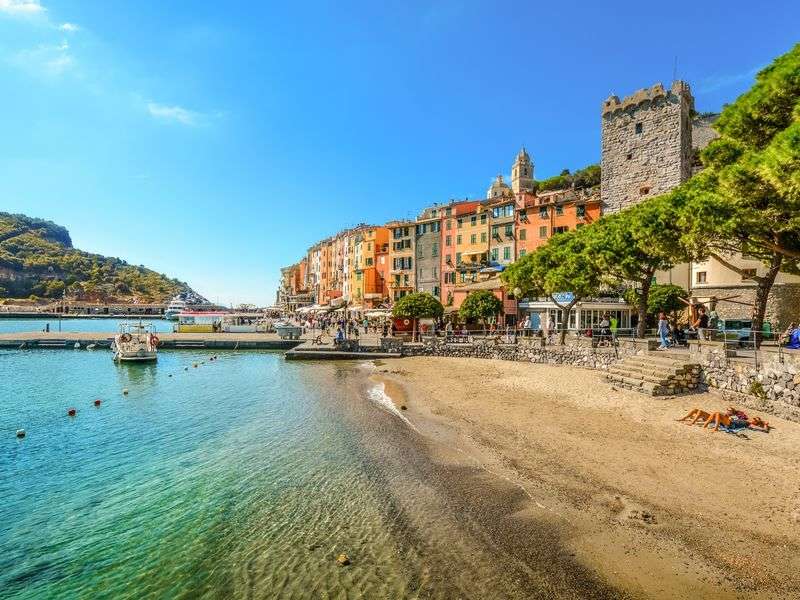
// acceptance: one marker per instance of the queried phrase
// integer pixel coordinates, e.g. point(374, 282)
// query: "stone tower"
point(522, 173)
point(647, 144)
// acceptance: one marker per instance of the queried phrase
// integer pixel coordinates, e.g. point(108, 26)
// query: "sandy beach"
point(645, 505)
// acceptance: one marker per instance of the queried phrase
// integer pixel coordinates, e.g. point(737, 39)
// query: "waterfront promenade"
point(260, 341)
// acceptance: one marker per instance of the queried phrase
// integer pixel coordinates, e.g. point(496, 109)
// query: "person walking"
point(663, 331)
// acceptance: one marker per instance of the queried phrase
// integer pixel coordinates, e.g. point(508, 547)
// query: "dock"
point(168, 341)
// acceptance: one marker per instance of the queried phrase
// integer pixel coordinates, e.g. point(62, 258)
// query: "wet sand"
point(582, 490)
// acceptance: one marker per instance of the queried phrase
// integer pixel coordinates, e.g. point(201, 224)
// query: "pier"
point(168, 341)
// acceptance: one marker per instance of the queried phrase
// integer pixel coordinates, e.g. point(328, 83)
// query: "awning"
point(377, 313)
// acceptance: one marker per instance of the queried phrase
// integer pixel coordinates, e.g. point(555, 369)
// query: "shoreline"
point(651, 506)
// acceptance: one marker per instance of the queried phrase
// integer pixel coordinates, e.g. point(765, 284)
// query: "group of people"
point(700, 325)
point(791, 337)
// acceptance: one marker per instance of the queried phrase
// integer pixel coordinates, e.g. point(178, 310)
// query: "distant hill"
point(37, 259)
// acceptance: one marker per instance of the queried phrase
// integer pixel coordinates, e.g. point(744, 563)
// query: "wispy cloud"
point(21, 7)
point(44, 60)
point(175, 114)
point(68, 27)
point(718, 82)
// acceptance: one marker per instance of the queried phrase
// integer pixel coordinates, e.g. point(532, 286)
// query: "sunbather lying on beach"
point(731, 417)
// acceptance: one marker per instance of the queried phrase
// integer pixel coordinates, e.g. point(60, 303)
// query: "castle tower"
point(646, 144)
point(522, 173)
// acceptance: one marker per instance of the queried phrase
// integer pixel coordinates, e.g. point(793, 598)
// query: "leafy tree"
point(419, 305)
point(482, 305)
point(663, 297)
point(564, 265)
point(747, 199)
point(582, 178)
point(630, 246)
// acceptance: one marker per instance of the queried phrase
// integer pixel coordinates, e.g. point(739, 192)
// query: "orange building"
point(449, 244)
point(541, 216)
point(370, 263)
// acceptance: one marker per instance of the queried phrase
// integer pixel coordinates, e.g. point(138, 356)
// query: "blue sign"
point(564, 297)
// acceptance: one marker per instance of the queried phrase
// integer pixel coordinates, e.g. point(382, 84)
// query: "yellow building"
point(471, 243)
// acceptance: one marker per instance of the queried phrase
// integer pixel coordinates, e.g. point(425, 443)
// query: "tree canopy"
point(563, 269)
point(420, 305)
point(481, 305)
point(587, 177)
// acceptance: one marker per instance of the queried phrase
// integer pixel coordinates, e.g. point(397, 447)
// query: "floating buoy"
point(195, 365)
point(20, 433)
point(72, 412)
point(125, 391)
point(97, 402)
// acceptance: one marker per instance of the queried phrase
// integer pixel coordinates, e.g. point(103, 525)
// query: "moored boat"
point(135, 343)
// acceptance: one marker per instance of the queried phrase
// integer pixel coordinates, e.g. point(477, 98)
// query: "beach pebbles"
point(343, 560)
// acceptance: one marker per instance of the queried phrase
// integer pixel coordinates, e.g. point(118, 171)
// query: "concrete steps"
point(656, 374)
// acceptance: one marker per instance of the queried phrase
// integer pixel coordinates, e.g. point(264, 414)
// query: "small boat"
point(135, 343)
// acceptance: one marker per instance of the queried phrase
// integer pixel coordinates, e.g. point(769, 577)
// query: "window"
point(580, 211)
point(436, 227)
point(560, 229)
point(419, 251)
point(473, 220)
point(509, 230)
point(483, 219)
point(522, 253)
point(701, 277)
point(435, 249)
point(473, 239)
point(543, 231)
point(369, 262)
point(458, 240)
point(638, 128)
point(542, 212)
point(448, 240)
point(559, 210)
point(483, 237)
point(748, 274)
point(449, 223)
point(460, 223)
point(448, 212)
point(369, 246)
point(507, 253)
point(523, 233)
point(458, 257)
point(494, 254)
point(358, 275)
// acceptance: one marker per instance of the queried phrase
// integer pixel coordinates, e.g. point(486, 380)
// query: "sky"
point(215, 141)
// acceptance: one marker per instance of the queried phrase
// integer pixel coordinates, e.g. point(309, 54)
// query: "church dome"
point(498, 188)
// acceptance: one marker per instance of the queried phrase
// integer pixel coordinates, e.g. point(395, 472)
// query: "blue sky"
point(215, 141)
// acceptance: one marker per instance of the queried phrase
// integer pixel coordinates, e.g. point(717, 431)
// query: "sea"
point(237, 474)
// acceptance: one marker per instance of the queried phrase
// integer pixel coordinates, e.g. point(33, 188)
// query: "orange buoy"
point(97, 402)
point(72, 412)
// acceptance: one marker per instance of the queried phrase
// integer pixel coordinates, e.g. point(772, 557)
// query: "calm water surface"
point(79, 325)
point(242, 477)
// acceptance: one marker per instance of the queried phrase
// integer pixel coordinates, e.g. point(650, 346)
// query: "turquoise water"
point(79, 325)
point(242, 477)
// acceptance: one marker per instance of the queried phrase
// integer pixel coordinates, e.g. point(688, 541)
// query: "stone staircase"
point(659, 373)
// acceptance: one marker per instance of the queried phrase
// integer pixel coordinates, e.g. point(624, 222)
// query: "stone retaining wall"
point(771, 383)
point(579, 352)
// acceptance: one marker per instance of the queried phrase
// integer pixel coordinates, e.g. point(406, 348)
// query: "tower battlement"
point(679, 89)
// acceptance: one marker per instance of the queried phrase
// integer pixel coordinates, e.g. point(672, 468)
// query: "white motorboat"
point(135, 343)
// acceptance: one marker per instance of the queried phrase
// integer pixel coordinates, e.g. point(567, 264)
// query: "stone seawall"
point(579, 353)
point(768, 381)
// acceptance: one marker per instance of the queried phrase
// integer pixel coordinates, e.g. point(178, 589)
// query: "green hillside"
point(37, 259)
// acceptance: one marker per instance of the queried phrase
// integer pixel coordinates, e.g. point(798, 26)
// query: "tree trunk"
point(641, 309)
point(762, 295)
point(565, 310)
